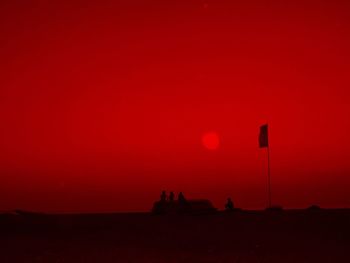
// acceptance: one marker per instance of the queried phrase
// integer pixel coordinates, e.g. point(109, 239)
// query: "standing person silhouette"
point(183, 204)
point(229, 205)
point(181, 198)
point(171, 196)
point(163, 196)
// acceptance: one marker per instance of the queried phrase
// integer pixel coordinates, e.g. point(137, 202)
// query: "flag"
point(263, 136)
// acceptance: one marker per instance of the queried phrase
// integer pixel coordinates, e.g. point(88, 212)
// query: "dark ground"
point(287, 236)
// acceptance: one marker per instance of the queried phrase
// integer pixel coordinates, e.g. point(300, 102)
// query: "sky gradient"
point(103, 104)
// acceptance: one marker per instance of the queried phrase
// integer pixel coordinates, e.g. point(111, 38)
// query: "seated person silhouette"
point(171, 196)
point(163, 197)
point(229, 205)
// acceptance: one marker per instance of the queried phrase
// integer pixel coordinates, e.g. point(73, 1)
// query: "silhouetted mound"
point(27, 213)
point(233, 210)
point(201, 206)
point(189, 207)
point(275, 209)
point(314, 208)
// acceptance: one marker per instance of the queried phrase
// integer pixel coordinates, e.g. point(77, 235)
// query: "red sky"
point(103, 104)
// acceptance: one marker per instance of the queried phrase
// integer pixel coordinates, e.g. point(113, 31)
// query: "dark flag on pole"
point(264, 143)
point(263, 136)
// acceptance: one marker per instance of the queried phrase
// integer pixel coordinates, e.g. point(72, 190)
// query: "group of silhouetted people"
point(229, 206)
point(180, 198)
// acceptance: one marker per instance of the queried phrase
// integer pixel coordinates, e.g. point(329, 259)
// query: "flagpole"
point(264, 143)
point(268, 176)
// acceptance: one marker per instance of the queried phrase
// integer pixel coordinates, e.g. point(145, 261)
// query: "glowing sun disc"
point(210, 140)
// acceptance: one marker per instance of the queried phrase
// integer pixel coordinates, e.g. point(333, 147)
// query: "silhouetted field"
point(288, 236)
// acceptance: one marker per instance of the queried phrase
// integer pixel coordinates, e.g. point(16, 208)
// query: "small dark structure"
point(313, 208)
point(275, 208)
point(201, 206)
point(229, 205)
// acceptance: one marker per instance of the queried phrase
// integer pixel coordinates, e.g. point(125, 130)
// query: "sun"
point(210, 140)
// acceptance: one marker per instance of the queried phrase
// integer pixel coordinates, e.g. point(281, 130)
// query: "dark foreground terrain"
point(287, 236)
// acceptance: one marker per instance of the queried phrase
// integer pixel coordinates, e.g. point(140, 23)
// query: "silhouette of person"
point(229, 205)
point(181, 198)
point(171, 196)
point(163, 196)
